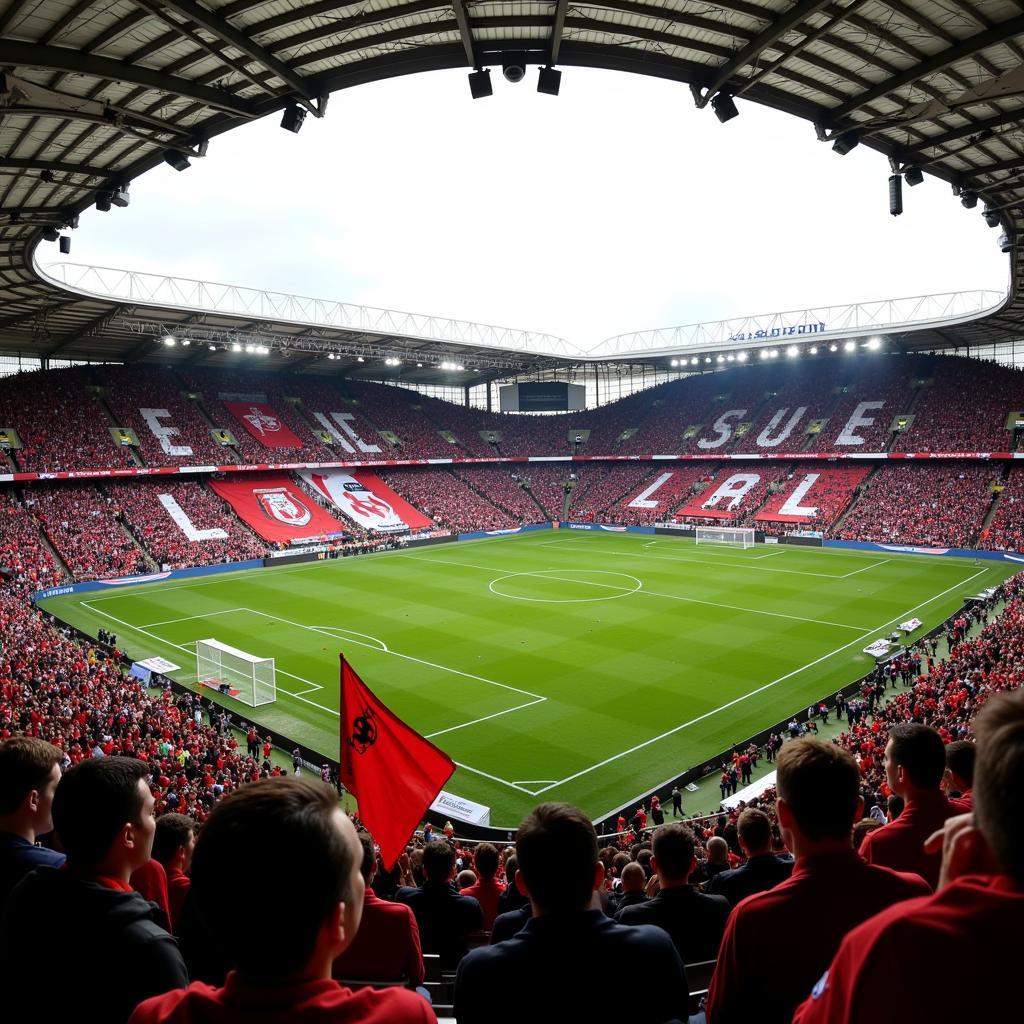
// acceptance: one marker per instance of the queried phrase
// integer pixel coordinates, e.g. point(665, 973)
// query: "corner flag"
point(393, 772)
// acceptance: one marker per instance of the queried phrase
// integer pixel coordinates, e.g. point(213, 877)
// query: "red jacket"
point(951, 956)
point(486, 893)
point(311, 1002)
point(386, 947)
point(900, 844)
point(761, 978)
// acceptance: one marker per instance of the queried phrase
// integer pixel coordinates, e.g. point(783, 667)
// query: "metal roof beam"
point(765, 40)
point(55, 167)
point(557, 30)
point(17, 318)
point(242, 41)
point(462, 19)
point(97, 323)
point(939, 61)
point(64, 59)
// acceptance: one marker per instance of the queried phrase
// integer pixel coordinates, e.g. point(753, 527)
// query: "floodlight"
point(1006, 243)
point(170, 341)
point(833, 348)
point(176, 159)
point(845, 142)
point(719, 358)
point(724, 107)
point(693, 361)
point(914, 175)
point(360, 359)
point(51, 234)
point(968, 200)
point(874, 344)
point(731, 358)
point(292, 118)
point(792, 351)
point(850, 346)
point(480, 83)
point(773, 353)
point(236, 347)
point(119, 196)
point(991, 218)
point(742, 357)
point(513, 67)
point(895, 195)
point(548, 81)
point(675, 362)
point(813, 350)
point(764, 353)
point(707, 359)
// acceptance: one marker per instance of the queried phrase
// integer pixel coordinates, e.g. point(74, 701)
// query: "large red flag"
point(392, 771)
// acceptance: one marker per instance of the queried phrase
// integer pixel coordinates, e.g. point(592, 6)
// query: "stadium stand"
point(505, 488)
point(23, 552)
point(84, 527)
point(831, 492)
point(1006, 531)
point(735, 493)
point(449, 501)
point(141, 505)
point(600, 486)
point(938, 505)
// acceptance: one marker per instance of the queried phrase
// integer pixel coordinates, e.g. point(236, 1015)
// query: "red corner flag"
point(392, 771)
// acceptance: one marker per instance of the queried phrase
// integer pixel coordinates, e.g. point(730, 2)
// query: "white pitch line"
point(188, 650)
point(865, 569)
point(493, 778)
point(752, 693)
point(404, 657)
point(351, 632)
point(546, 573)
point(485, 718)
point(187, 618)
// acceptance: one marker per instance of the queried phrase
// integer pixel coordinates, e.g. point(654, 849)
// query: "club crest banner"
point(276, 508)
point(264, 424)
point(366, 500)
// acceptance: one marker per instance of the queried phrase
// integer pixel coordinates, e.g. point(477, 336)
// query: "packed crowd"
point(142, 506)
point(830, 494)
point(767, 479)
point(84, 527)
point(937, 505)
point(504, 488)
point(449, 501)
point(1006, 531)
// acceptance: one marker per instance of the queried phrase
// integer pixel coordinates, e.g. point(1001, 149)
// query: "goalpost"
point(245, 677)
point(733, 535)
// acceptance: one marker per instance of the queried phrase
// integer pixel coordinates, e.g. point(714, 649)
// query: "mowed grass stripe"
point(615, 673)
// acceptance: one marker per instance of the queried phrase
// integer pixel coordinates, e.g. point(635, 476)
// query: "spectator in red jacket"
point(283, 938)
point(387, 946)
point(487, 889)
point(172, 846)
point(886, 970)
point(758, 977)
point(959, 777)
point(915, 760)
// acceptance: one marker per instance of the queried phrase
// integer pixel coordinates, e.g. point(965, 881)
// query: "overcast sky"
point(616, 206)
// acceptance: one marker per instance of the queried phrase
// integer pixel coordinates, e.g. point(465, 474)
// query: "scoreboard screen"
point(543, 396)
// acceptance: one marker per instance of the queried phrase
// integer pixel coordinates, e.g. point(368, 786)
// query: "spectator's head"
point(439, 861)
point(998, 794)
point(894, 806)
point(633, 878)
point(754, 828)
point(174, 841)
point(558, 864)
point(486, 861)
point(673, 859)
point(288, 829)
point(718, 850)
point(960, 755)
point(511, 870)
point(368, 864)
point(915, 759)
point(862, 828)
point(466, 878)
point(818, 794)
point(103, 813)
point(29, 773)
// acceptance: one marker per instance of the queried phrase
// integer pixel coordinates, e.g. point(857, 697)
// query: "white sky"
point(614, 207)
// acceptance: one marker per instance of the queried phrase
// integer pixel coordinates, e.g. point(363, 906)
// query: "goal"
point(241, 675)
point(734, 535)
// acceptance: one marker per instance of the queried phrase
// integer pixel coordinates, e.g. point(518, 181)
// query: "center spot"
point(565, 586)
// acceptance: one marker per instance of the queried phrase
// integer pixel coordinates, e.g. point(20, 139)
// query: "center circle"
point(530, 583)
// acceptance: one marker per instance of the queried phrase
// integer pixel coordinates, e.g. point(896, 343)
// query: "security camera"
point(514, 67)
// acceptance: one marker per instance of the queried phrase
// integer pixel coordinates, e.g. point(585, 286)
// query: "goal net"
point(734, 535)
point(239, 674)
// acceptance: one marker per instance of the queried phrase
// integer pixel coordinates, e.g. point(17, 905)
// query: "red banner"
point(276, 508)
point(264, 424)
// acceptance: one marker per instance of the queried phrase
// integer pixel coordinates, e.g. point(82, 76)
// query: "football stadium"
point(360, 664)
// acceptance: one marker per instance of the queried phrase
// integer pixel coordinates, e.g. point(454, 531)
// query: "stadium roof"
point(95, 93)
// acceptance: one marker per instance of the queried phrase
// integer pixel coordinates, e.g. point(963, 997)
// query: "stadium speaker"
point(65, 245)
point(724, 107)
point(292, 118)
point(845, 142)
point(895, 194)
point(480, 83)
point(991, 218)
point(914, 176)
point(50, 234)
point(969, 200)
point(513, 67)
point(176, 159)
point(548, 81)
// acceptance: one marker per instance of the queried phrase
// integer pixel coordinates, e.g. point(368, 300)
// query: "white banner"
point(355, 500)
point(461, 809)
point(187, 527)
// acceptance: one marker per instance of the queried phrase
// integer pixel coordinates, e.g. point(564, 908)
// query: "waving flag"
point(393, 772)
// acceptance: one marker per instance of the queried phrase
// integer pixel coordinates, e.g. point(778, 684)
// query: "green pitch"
point(554, 665)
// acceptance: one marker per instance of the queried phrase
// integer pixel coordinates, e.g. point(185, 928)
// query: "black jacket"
point(446, 919)
point(694, 922)
point(67, 943)
point(759, 874)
